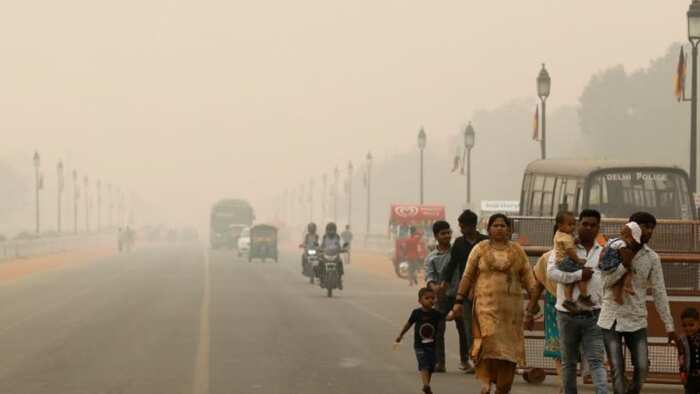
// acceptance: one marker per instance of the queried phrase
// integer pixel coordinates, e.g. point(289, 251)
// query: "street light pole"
point(87, 202)
point(37, 186)
point(369, 192)
point(59, 169)
point(324, 198)
point(421, 146)
point(99, 205)
point(75, 201)
point(694, 38)
point(544, 84)
point(469, 139)
point(350, 173)
point(336, 175)
point(311, 200)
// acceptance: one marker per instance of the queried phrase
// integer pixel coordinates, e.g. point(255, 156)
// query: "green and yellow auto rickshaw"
point(263, 242)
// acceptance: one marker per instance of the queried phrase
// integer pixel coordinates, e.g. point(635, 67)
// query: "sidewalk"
point(19, 268)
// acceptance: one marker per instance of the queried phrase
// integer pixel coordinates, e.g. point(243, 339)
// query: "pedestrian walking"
point(434, 263)
point(551, 331)
point(578, 330)
point(628, 321)
point(347, 237)
point(689, 351)
point(498, 270)
point(455, 268)
point(426, 320)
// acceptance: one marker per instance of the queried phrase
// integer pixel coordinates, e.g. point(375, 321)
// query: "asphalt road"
point(179, 319)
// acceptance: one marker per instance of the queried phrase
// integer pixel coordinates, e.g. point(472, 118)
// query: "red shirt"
point(412, 247)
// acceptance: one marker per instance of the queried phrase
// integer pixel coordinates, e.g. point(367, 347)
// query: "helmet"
point(403, 269)
point(331, 227)
point(311, 227)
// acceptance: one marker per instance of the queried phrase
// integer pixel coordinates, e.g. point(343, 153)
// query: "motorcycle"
point(330, 273)
point(310, 263)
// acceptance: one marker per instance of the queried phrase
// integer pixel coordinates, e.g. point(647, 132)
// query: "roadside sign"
point(506, 206)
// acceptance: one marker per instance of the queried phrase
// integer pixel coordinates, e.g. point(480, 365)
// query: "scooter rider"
point(331, 241)
point(310, 241)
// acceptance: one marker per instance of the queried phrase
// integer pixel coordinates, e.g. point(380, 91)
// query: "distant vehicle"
point(404, 216)
point(263, 242)
point(244, 242)
point(172, 235)
point(615, 188)
point(24, 236)
point(190, 234)
point(228, 218)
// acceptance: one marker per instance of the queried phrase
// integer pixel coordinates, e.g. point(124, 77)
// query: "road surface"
point(180, 319)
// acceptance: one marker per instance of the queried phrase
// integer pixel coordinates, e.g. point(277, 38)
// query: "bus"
point(228, 218)
point(615, 188)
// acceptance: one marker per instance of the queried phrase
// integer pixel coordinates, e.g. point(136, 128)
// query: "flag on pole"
point(680, 76)
point(536, 124)
point(455, 164)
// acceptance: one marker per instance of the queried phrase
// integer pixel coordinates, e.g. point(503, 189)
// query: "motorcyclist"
point(331, 241)
point(310, 241)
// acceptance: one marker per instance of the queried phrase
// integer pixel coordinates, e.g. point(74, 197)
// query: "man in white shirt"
point(580, 330)
point(628, 320)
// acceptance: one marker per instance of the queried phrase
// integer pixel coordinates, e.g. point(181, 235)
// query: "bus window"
point(536, 201)
point(527, 189)
point(619, 193)
point(548, 196)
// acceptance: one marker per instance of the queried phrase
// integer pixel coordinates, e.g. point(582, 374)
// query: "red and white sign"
point(410, 214)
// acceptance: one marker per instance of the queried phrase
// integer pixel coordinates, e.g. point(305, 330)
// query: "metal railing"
point(670, 236)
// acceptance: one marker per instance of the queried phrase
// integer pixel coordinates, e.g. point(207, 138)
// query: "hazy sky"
point(186, 101)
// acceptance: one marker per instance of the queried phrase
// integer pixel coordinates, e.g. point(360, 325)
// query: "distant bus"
point(228, 218)
point(615, 188)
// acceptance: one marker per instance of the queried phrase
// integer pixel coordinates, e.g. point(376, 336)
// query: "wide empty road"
point(180, 319)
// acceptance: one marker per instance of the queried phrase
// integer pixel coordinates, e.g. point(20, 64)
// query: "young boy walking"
point(689, 351)
point(427, 321)
point(445, 295)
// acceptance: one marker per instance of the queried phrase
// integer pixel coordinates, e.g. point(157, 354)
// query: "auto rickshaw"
point(263, 242)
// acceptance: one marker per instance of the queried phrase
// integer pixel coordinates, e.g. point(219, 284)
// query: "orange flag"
point(536, 124)
point(679, 85)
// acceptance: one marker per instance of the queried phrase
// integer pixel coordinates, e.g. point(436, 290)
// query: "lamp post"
point(369, 159)
point(336, 176)
point(59, 170)
point(544, 83)
point(421, 146)
point(109, 204)
point(324, 198)
point(75, 201)
point(99, 205)
point(469, 137)
point(311, 200)
point(349, 191)
point(87, 204)
point(37, 186)
point(694, 38)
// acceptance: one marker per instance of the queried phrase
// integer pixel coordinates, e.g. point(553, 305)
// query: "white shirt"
point(632, 314)
point(595, 285)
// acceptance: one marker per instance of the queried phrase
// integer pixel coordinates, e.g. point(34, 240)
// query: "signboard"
point(500, 206)
point(412, 214)
point(636, 176)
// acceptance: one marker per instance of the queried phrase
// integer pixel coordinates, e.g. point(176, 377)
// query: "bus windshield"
point(618, 193)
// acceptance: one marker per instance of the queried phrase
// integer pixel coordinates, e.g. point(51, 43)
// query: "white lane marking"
point(200, 384)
